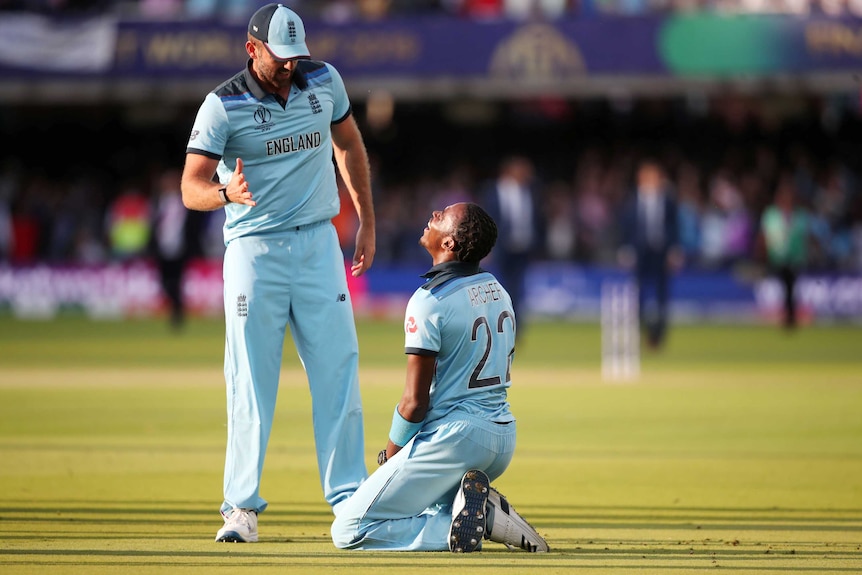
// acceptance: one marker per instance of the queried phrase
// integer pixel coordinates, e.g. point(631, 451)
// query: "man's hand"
point(388, 453)
point(363, 256)
point(237, 187)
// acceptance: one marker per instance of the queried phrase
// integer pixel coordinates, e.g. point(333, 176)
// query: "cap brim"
point(287, 52)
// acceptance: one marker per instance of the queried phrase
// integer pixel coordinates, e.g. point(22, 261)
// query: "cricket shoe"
point(468, 513)
point(507, 527)
point(240, 526)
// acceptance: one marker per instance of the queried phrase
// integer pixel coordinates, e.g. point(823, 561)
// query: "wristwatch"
point(222, 193)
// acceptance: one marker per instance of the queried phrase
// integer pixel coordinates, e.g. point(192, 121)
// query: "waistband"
point(306, 226)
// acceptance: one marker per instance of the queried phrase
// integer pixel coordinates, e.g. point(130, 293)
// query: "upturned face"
point(437, 237)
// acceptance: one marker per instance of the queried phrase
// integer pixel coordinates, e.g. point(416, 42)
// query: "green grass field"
point(739, 448)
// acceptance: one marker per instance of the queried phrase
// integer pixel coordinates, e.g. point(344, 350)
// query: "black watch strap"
point(222, 193)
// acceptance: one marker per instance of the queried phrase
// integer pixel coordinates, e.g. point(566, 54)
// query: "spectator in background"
point(831, 221)
point(593, 208)
point(512, 201)
point(561, 236)
point(174, 241)
point(785, 226)
point(72, 208)
point(5, 230)
point(690, 202)
point(650, 233)
point(10, 182)
point(726, 225)
point(739, 228)
point(392, 240)
point(128, 224)
point(30, 221)
point(855, 217)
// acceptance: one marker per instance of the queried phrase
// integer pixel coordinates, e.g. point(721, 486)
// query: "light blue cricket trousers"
point(406, 504)
point(295, 279)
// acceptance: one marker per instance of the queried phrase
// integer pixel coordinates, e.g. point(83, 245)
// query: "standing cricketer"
point(269, 135)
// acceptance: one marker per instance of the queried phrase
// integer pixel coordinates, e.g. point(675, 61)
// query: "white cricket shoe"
point(468, 513)
point(240, 526)
point(507, 527)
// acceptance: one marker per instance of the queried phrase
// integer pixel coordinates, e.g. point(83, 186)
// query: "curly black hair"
point(474, 235)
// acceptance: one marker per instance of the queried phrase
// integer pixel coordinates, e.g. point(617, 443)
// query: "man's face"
point(650, 179)
point(437, 236)
point(275, 74)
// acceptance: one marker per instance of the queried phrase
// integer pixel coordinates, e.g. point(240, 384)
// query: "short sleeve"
point(422, 324)
point(340, 100)
point(210, 130)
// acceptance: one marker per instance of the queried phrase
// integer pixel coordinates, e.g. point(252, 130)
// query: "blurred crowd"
point(723, 164)
point(723, 160)
point(343, 11)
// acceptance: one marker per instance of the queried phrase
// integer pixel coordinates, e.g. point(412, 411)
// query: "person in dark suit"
point(650, 247)
point(512, 201)
point(173, 242)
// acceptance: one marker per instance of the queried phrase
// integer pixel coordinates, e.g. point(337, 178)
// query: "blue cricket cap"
point(281, 30)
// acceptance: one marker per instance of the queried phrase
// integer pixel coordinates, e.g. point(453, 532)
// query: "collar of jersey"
point(442, 273)
point(298, 80)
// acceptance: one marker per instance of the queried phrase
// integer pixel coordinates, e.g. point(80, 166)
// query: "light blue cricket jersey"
point(286, 151)
point(464, 316)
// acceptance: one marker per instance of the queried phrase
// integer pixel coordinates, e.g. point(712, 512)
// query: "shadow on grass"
point(164, 536)
point(674, 517)
point(548, 516)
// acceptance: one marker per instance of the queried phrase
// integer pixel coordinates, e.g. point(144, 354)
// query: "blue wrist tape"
point(402, 430)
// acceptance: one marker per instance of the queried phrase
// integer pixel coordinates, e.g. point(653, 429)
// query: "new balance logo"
point(341, 297)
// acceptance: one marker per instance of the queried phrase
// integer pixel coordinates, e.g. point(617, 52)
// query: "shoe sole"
point(468, 523)
point(233, 537)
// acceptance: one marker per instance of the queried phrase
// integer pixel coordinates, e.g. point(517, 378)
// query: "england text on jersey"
point(293, 144)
